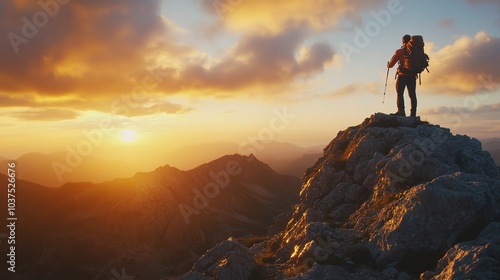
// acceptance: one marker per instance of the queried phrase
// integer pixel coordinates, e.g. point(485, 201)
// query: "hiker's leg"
point(412, 84)
point(400, 88)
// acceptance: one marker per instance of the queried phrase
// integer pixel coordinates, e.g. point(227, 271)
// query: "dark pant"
point(409, 82)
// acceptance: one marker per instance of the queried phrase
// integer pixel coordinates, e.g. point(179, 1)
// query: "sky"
point(133, 79)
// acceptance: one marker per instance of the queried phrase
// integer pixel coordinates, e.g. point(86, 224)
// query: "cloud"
point(263, 15)
point(354, 89)
point(480, 120)
point(484, 2)
point(457, 69)
point(447, 23)
point(44, 114)
point(154, 107)
point(91, 47)
point(84, 55)
point(492, 3)
point(257, 60)
point(486, 109)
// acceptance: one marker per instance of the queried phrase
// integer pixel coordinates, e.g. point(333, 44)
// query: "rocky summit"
point(391, 198)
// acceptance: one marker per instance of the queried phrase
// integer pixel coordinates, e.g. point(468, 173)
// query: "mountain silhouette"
point(283, 157)
point(53, 170)
point(492, 145)
point(391, 198)
point(150, 225)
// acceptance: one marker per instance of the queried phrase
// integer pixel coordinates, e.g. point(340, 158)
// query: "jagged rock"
point(323, 272)
point(476, 259)
point(227, 261)
point(387, 200)
point(404, 190)
point(431, 218)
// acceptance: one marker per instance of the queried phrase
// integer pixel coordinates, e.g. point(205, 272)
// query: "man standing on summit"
point(408, 80)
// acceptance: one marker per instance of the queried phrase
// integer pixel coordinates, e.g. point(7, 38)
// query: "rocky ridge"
point(391, 198)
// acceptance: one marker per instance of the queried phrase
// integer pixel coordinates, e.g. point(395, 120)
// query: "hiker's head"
point(406, 39)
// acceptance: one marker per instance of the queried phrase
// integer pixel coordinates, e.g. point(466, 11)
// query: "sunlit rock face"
point(227, 260)
point(475, 259)
point(391, 198)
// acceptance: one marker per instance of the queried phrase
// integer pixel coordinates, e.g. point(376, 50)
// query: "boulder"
point(228, 260)
point(476, 259)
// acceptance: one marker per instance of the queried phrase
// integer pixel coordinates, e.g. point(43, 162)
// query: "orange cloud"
point(355, 88)
point(82, 54)
point(459, 68)
point(86, 55)
point(476, 119)
point(84, 47)
point(260, 60)
point(263, 15)
point(44, 114)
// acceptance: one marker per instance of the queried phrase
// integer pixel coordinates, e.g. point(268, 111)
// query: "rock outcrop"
point(228, 260)
point(392, 198)
point(476, 259)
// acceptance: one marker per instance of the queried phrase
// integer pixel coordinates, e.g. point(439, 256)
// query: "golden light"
point(129, 135)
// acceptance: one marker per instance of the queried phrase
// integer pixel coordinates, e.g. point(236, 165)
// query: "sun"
point(128, 135)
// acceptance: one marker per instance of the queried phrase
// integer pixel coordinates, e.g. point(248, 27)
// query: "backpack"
point(415, 59)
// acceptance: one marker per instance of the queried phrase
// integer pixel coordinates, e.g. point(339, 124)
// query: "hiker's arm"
point(395, 58)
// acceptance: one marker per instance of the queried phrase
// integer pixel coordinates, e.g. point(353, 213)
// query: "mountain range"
point(283, 157)
point(153, 224)
point(56, 169)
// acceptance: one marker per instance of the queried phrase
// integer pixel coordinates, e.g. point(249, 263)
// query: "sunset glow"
point(129, 135)
point(191, 72)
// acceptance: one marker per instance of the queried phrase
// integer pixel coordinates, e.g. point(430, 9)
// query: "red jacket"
point(398, 56)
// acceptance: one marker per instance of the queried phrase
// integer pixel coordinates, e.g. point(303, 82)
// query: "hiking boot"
point(399, 113)
point(413, 113)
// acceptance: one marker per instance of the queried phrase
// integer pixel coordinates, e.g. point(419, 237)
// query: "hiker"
point(408, 80)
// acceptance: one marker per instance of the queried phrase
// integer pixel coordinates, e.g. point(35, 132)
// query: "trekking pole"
point(385, 88)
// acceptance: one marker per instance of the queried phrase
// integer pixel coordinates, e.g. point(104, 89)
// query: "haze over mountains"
point(279, 155)
point(154, 224)
point(53, 170)
point(492, 145)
